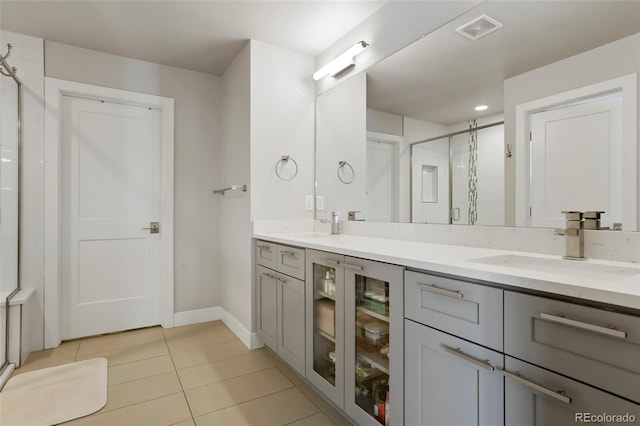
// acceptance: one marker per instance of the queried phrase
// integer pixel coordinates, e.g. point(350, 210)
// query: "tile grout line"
point(258, 397)
point(184, 395)
point(311, 415)
point(121, 348)
point(235, 377)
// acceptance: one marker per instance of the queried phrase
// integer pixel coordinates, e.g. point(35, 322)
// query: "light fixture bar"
point(342, 62)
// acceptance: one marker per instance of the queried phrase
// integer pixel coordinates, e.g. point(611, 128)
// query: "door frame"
point(55, 89)
point(628, 86)
point(396, 142)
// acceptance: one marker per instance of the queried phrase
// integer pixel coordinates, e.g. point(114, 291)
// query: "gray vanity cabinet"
point(325, 324)
point(537, 397)
point(373, 324)
point(467, 310)
point(280, 306)
point(596, 346)
point(450, 381)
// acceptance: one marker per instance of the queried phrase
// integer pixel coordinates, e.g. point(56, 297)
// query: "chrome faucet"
point(335, 223)
point(574, 236)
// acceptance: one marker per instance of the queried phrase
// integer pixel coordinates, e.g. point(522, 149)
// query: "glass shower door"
point(9, 170)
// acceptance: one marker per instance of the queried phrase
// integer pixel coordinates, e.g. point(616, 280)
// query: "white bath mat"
point(54, 395)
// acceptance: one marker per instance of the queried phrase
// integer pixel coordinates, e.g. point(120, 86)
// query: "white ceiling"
point(198, 35)
point(441, 77)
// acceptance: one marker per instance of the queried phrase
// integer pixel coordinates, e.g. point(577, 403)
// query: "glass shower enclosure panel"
point(477, 177)
point(430, 182)
point(9, 170)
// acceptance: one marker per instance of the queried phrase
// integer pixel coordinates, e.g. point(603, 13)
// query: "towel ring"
point(285, 159)
point(341, 165)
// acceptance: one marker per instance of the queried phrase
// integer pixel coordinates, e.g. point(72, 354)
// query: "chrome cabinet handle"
point(288, 253)
point(457, 352)
point(356, 267)
point(263, 247)
point(331, 262)
point(559, 395)
point(273, 277)
point(433, 289)
point(584, 326)
point(282, 280)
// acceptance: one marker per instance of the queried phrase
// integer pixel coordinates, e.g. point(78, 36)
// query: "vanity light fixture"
point(342, 63)
point(481, 107)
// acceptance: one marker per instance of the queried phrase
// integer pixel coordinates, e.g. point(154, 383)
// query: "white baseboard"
point(249, 339)
point(197, 315)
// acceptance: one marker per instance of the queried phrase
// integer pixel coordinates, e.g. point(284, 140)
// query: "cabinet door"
point(325, 324)
point(373, 324)
point(266, 292)
point(291, 319)
point(537, 397)
point(450, 381)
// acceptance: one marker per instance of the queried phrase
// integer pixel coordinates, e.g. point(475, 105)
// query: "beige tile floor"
point(194, 375)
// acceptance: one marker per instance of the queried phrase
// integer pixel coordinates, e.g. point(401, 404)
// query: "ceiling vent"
point(479, 27)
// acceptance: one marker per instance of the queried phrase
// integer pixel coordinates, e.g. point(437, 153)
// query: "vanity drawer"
point(471, 311)
point(266, 254)
point(290, 261)
point(533, 396)
point(598, 347)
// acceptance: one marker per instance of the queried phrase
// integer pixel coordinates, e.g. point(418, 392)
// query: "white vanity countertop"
point(616, 283)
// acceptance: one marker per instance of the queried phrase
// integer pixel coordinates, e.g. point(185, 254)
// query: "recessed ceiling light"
point(481, 107)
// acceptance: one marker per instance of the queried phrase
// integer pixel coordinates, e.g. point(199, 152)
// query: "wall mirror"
point(559, 131)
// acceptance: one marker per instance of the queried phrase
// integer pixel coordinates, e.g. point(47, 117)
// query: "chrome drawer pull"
point(559, 395)
point(269, 275)
point(331, 262)
point(584, 326)
point(263, 247)
point(288, 253)
point(282, 280)
point(457, 352)
point(433, 289)
point(356, 267)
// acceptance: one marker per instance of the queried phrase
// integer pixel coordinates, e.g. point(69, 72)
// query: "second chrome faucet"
point(574, 237)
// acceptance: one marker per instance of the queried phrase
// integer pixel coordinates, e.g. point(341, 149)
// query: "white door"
point(576, 161)
point(381, 184)
point(111, 162)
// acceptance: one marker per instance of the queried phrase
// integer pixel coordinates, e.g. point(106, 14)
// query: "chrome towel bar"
point(231, 188)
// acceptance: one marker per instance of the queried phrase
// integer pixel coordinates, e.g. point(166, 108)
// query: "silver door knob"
point(154, 227)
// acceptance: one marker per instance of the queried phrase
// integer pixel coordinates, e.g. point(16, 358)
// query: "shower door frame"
point(449, 137)
point(13, 74)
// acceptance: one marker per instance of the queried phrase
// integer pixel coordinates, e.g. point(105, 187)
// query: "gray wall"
point(197, 102)
point(612, 60)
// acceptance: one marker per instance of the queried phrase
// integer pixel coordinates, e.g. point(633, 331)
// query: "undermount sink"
point(578, 269)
